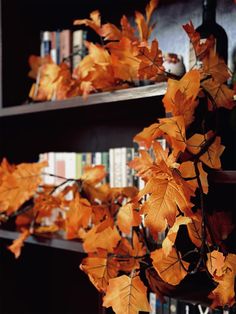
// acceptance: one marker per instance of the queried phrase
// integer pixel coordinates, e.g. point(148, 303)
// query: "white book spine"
point(111, 167)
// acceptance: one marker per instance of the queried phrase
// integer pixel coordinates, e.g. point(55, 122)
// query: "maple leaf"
point(36, 62)
point(146, 137)
point(169, 241)
point(106, 238)
point(126, 295)
point(224, 293)
point(175, 129)
point(129, 255)
point(77, 216)
point(47, 82)
point(127, 217)
point(171, 268)
point(215, 263)
point(187, 170)
point(127, 30)
point(94, 23)
point(151, 61)
point(17, 244)
point(212, 155)
point(143, 165)
point(20, 185)
point(124, 62)
point(110, 32)
point(100, 270)
point(161, 206)
point(180, 97)
point(201, 48)
point(221, 94)
point(93, 174)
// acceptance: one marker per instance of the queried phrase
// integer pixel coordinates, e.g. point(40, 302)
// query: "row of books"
point(70, 165)
point(64, 45)
point(174, 306)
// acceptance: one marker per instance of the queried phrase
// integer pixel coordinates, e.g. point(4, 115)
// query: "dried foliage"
point(176, 180)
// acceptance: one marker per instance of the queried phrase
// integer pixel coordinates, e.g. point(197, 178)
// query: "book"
point(65, 47)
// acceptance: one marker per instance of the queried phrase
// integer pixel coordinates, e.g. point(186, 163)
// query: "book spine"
point(111, 167)
point(77, 47)
point(53, 51)
point(65, 47)
point(45, 47)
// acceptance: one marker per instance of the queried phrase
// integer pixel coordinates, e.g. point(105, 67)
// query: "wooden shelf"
point(57, 243)
point(158, 89)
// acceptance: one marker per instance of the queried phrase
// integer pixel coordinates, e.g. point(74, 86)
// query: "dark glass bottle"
point(210, 27)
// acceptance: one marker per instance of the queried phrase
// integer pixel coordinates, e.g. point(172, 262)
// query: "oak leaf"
point(171, 268)
point(100, 270)
point(17, 244)
point(126, 295)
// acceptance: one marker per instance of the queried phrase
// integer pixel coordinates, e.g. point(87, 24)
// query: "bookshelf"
point(104, 120)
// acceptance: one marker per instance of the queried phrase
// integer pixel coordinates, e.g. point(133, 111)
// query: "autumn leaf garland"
point(120, 227)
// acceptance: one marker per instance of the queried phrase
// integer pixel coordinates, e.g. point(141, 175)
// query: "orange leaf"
point(35, 63)
point(180, 98)
point(169, 241)
point(195, 230)
point(187, 170)
point(151, 6)
point(110, 32)
point(151, 61)
point(20, 185)
point(224, 293)
point(201, 48)
point(170, 268)
point(94, 23)
point(146, 137)
point(143, 165)
point(212, 156)
point(127, 217)
point(95, 239)
point(17, 244)
point(130, 255)
point(127, 30)
point(215, 263)
point(175, 129)
point(77, 216)
point(100, 270)
point(126, 295)
point(93, 174)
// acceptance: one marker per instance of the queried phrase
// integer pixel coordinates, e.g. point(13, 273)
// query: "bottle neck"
point(209, 12)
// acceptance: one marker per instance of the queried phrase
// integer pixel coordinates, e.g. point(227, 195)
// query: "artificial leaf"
point(77, 216)
point(126, 295)
point(127, 30)
point(187, 170)
point(201, 47)
point(180, 97)
point(146, 137)
point(129, 255)
point(215, 263)
point(36, 62)
point(175, 129)
point(94, 23)
point(107, 239)
point(151, 61)
point(170, 238)
point(151, 6)
point(17, 244)
point(20, 185)
point(100, 270)
point(124, 62)
point(224, 293)
point(93, 174)
point(212, 155)
point(221, 94)
point(127, 217)
point(110, 32)
point(171, 268)
point(142, 26)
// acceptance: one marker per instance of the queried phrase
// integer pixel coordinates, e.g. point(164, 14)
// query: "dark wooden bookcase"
point(46, 278)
